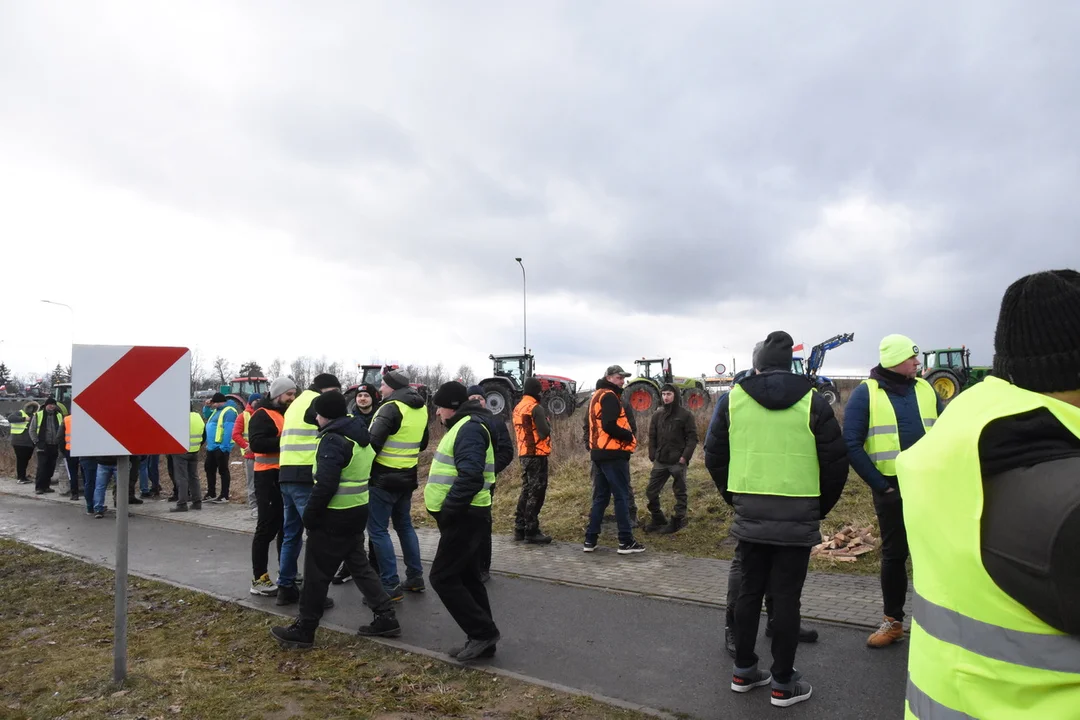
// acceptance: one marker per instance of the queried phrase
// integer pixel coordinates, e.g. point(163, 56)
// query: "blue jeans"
point(294, 497)
point(105, 473)
point(613, 480)
point(149, 477)
point(89, 472)
point(384, 506)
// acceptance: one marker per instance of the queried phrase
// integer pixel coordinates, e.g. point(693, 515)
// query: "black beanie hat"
point(451, 395)
point(218, 397)
point(331, 405)
point(668, 387)
point(370, 390)
point(775, 353)
point(1037, 341)
point(324, 381)
point(532, 387)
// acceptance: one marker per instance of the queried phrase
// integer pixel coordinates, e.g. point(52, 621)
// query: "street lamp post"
point(524, 310)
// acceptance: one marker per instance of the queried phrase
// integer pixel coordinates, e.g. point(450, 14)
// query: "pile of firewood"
point(847, 545)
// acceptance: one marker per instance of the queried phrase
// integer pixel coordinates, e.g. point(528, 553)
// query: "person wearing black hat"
point(458, 496)
point(533, 429)
point(219, 444)
point(21, 440)
point(47, 434)
point(672, 440)
point(992, 507)
point(504, 455)
point(363, 406)
point(776, 454)
point(335, 516)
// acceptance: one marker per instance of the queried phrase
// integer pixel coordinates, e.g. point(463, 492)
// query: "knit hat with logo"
point(895, 349)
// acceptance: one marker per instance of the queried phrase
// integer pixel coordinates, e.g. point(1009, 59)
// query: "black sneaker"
point(630, 548)
point(788, 694)
point(538, 538)
point(746, 679)
point(293, 637)
point(134, 501)
point(414, 584)
point(287, 595)
point(145, 495)
point(196, 506)
point(179, 507)
point(385, 625)
point(476, 648)
point(590, 546)
point(172, 498)
point(99, 514)
point(455, 651)
point(48, 490)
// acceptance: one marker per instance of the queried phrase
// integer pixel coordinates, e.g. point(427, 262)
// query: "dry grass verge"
point(191, 656)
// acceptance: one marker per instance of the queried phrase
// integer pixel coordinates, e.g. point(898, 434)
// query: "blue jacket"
point(857, 422)
point(226, 415)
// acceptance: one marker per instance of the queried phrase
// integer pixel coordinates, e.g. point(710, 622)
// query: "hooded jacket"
point(263, 436)
point(51, 431)
point(381, 429)
point(376, 403)
point(227, 417)
point(672, 434)
point(1030, 526)
point(772, 519)
point(610, 407)
point(470, 456)
point(334, 453)
point(23, 439)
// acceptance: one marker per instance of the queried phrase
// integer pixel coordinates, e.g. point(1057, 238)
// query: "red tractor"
point(503, 390)
point(372, 374)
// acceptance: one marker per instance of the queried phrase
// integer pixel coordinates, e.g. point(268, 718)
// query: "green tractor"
point(643, 392)
point(949, 371)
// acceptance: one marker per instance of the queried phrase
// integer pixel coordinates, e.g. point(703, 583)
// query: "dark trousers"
point(172, 474)
point(133, 477)
point(734, 585)
point(485, 546)
point(23, 453)
point(594, 473)
point(270, 520)
point(89, 474)
point(73, 473)
point(780, 570)
point(217, 462)
point(46, 466)
point(534, 482)
point(613, 480)
point(455, 573)
point(322, 556)
point(894, 552)
point(658, 479)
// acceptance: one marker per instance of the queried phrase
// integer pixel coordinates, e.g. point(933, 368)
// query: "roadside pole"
point(123, 469)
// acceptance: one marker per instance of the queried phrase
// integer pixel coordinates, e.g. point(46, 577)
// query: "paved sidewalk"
point(833, 597)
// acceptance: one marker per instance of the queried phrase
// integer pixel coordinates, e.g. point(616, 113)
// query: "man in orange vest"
point(611, 443)
point(72, 464)
point(264, 441)
point(534, 446)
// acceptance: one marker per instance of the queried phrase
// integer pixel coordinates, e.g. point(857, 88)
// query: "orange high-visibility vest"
point(270, 461)
point(67, 433)
point(529, 442)
point(600, 440)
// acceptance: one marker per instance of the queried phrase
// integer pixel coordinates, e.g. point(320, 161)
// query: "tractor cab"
point(372, 374)
point(949, 371)
point(663, 368)
point(951, 358)
point(62, 393)
point(797, 366)
point(245, 386)
point(514, 368)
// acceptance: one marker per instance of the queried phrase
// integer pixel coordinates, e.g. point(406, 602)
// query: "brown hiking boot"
point(890, 631)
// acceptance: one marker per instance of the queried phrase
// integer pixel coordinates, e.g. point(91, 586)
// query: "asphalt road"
point(658, 653)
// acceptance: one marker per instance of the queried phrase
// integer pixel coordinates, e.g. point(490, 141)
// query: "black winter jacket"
point(672, 434)
point(771, 519)
point(610, 407)
point(334, 453)
point(381, 428)
point(263, 436)
point(1031, 514)
point(470, 457)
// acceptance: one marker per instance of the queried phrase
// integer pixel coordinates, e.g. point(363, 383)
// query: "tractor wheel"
point(498, 399)
point(558, 403)
point(830, 393)
point(695, 398)
point(945, 383)
point(642, 397)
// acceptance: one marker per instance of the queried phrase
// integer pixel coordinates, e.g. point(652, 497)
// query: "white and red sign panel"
point(130, 400)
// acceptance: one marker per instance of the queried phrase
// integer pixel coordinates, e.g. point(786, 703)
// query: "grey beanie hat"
point(280, 386)
point(396, 379)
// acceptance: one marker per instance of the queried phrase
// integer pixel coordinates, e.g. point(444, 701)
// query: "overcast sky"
point(354, 179)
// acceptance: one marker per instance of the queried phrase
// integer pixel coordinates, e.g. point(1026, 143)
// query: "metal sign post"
point(123, 470)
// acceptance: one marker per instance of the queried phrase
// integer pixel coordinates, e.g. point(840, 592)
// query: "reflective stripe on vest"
point(975, 651)
point(67, 433)
point(529, 442)
point(247, 424)
point(444, 472)
point(352, 490)
point(598, 438)
point(195, 432)
point(218, 417)
point(270, 461)
point(401, 451)
point(298, 439)
point(18, 428)
point(773, 452)
point(883, 435)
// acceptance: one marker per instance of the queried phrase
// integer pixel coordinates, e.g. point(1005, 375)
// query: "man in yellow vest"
point(264, 435)
point(186, 465)
point(335, 516)
point(299, 440)
point(776, 454)
point(533, 429)
point(458, 496)
point(399, 433)
point(611, 442)
point(21, 441)
point(219, 446)
point(885, 414)
point(504, 455)
point(992, 505)
point(47, 433)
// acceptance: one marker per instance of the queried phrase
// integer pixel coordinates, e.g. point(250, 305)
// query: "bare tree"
point(466, 375)
point(334, 369)
point(198, 372)
point(301, 371)
point(222, 368)
point(275, 369)
point(319, 366)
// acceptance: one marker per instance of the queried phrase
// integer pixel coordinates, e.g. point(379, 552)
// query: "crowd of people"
point(983, 497)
